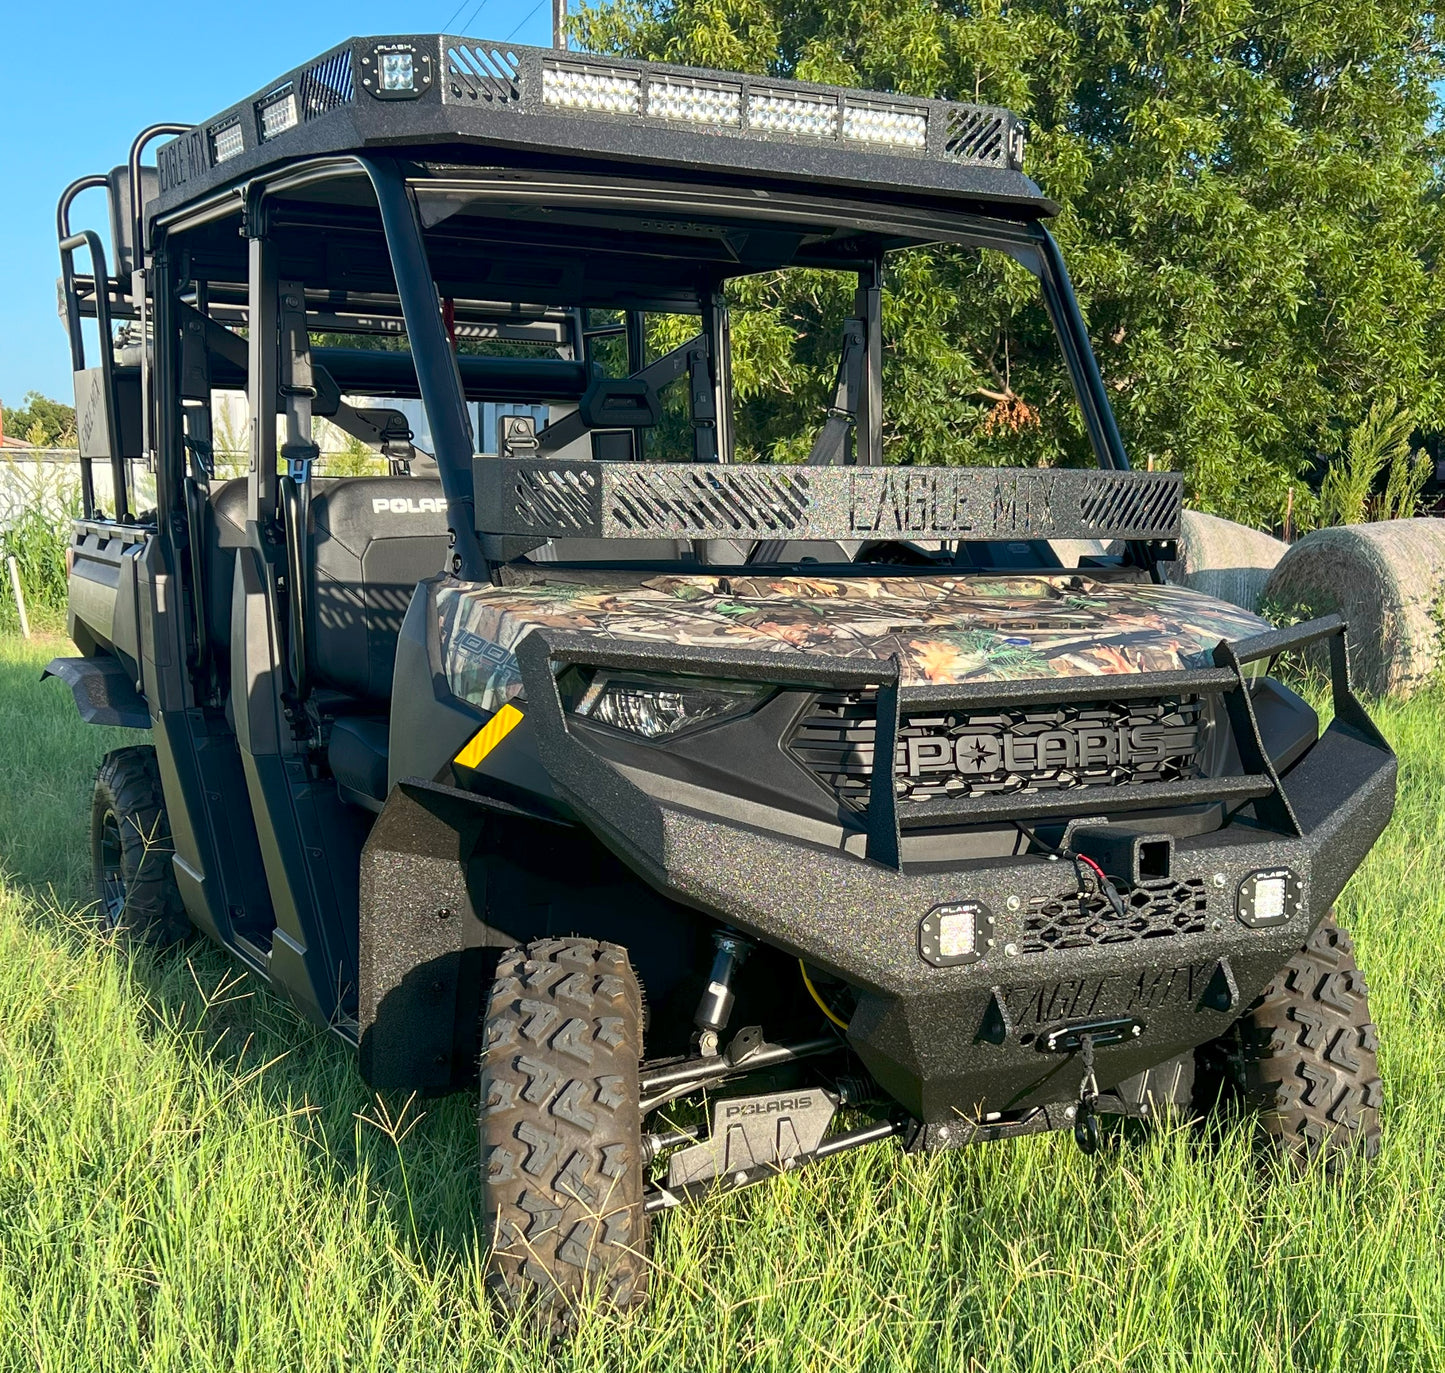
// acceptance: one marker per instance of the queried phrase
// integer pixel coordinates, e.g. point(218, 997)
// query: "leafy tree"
point(1249, 207)
point(44, 422)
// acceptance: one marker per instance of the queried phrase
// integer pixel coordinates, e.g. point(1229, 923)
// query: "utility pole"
point(559, 23)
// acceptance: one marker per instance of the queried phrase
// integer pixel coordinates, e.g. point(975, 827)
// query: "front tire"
point(1303, 1058)
point(561, 1128)
point(131, 851)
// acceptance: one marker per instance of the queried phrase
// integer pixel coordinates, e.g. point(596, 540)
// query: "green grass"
point(191, 1179)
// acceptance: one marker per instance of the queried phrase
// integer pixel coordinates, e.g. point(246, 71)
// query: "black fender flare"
point(103, 690)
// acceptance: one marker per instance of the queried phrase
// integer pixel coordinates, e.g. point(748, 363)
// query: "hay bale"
point(1225, 560)
point(1386, 579)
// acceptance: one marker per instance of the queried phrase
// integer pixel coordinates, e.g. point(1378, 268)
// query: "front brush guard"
point(945, 1041)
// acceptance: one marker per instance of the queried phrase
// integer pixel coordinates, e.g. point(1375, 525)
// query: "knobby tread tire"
point(128, 787)
point(561, 1127)
point(1309, 1055)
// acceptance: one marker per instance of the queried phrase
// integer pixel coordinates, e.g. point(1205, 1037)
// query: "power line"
point(446, 28)
point(524, 22)
point(476, 11)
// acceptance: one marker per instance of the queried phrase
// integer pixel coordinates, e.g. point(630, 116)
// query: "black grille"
point(1148, 500)
point(1081, 920)
point(327, 86)
point(995, 750)
point(478, 73)
point(835, 742)
point(978, 136)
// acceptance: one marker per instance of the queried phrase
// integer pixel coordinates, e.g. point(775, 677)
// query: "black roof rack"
point(433, 95)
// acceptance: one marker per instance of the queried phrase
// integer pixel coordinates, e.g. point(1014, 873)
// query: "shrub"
point(1378, 443)
point(36, 535)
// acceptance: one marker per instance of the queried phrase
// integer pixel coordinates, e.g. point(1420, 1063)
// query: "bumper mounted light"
point(960, 932)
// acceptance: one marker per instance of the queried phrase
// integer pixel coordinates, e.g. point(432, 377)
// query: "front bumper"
point(970, 1039)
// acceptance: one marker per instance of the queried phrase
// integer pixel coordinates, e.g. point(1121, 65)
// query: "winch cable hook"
point(1086, 1115)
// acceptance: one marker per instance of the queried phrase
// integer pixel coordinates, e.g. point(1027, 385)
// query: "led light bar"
point(891, 124)
point(809, 115)
point(603, 89)
point(695, 102)
point(278, 113)
point(227, 142)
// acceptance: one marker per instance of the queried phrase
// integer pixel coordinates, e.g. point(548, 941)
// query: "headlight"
point(657, 707)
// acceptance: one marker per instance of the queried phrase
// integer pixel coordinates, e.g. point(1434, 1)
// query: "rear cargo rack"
point(885, 822)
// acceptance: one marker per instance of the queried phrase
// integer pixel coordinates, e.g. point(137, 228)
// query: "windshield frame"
point(398, 184)
point(1028, 242)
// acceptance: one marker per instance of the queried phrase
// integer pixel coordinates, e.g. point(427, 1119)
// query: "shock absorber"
point(716, 1004)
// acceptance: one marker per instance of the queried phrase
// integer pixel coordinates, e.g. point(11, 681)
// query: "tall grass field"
point(192, 1179)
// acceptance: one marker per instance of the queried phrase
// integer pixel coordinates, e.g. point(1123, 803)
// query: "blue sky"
point(81, 83)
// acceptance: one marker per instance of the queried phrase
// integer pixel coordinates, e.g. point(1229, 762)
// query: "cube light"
point(398, 71)
point(1269, 898)
point(957, 932)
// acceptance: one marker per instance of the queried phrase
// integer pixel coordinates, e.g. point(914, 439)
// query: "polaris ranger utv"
point(729, 815)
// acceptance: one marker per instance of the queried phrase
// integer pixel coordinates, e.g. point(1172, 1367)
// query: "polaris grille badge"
point(983, 752)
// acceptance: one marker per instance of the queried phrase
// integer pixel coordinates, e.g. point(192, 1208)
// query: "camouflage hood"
point(942, 629)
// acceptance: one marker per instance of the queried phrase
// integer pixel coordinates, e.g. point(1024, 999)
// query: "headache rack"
point(882, 817)
point(525, 498)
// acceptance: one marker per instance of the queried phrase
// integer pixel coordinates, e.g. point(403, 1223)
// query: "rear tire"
point(561, 1128)
point(131, 851)
point(1303, 1057)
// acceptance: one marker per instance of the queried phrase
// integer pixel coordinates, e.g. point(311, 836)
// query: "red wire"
point(1084, 859)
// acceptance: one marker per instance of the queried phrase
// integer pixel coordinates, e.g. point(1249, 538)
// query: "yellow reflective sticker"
point(489, 736)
